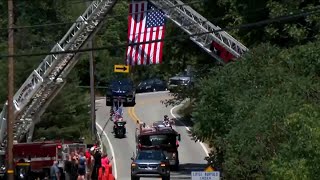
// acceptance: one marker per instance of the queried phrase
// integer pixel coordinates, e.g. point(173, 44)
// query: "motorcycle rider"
point(166, 120)
point(117, 117)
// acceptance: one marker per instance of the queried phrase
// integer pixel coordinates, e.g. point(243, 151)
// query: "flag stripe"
point(129, 33)
point(135, 31)
point(152, 53)
point(146, 23)
point(161, 45)
point(132, 30)
point(149, 45)
point(155, 58)
point(141, 34)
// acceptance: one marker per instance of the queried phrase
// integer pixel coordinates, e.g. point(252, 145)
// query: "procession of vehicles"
point(156, 145)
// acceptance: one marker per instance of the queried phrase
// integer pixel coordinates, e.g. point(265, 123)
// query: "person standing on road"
point(68, 168)
point(82, 167)
point(105, 160)
point(97, 164)
point(55, 171)
point(90, 161)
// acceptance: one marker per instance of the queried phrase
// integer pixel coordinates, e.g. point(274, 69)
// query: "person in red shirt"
point(89, 158)
point(105, 160)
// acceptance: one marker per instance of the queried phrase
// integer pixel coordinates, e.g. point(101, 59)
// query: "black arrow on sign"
point(123, 68)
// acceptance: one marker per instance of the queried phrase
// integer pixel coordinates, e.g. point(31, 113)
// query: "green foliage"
point(243, 107)
point(298, 155)
point(68, 115)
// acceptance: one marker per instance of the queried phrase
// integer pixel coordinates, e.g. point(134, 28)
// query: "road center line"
point(133, 115)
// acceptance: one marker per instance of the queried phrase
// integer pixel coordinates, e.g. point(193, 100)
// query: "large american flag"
point(145, 23)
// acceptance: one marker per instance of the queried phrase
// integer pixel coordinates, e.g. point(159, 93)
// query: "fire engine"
point(159, 137)
point(36, 158)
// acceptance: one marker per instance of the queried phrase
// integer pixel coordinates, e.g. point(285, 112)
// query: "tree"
point(68, 115)
point(242, 108)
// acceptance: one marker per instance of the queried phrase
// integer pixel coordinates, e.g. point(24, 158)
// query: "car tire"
point(108, 103)
point(133, 102)
point(176, 167)
point(166, 177)
point(135, 178)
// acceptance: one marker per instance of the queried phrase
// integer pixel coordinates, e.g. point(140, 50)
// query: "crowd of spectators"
point(83, 165)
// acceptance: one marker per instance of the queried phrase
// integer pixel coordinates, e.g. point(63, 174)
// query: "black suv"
point(150, 163)
point(122, 90)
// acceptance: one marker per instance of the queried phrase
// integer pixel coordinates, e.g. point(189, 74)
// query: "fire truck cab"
point(159, 137)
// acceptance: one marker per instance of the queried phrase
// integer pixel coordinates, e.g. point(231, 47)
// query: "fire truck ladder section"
point(47, 80)
point(193, 23)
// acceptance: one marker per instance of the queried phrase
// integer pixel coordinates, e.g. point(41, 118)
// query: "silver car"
point(150, 163)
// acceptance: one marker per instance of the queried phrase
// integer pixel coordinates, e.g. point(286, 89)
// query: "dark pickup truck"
point(121, 90)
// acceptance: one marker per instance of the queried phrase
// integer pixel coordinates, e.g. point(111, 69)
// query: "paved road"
point(148, 109)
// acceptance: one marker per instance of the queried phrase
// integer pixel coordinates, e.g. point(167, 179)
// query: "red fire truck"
point(36, 158)
point(159, 137)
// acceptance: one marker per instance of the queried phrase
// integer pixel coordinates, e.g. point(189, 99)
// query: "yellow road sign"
point(209, 169)
point(121, 68)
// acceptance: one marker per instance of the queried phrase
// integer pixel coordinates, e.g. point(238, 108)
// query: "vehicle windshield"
point(121, 84)
point(150, 155)
point(162, 139)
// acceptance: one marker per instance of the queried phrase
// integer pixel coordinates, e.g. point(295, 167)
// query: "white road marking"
point(112, 152)
point(188, 129)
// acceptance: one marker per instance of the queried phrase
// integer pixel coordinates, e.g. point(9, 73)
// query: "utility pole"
point(92, 92)
point(10, 115)
point(92, 89)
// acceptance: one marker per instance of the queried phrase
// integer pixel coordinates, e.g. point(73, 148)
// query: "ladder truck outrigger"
point(45, 82)
point(161, 137)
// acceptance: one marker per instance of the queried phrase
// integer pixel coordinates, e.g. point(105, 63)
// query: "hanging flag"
point(146, 24)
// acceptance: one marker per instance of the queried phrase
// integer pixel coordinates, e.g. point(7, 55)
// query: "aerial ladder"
point(45, 82)
point(193, 23)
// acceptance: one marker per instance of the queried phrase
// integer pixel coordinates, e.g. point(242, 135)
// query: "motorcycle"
point(120, 129)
